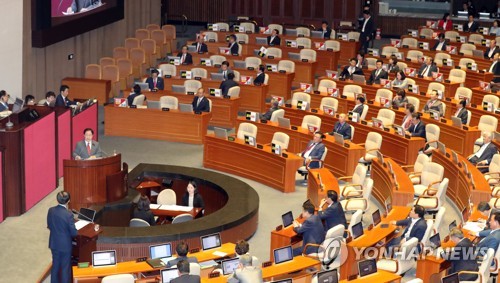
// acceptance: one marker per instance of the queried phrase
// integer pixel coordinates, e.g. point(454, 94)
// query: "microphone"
point(79, 214)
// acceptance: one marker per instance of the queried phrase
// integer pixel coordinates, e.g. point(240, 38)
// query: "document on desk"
point(219, 254)
point(208, 264)
point(474, 226)
point(176, 208)
point(80, 224)
point(154, 206)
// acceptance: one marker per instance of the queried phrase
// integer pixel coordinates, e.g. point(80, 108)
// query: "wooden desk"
point(431, 267)
point(384, 183)
point(89, 88)
point(478, 96)
point(224, 110)
point(340, 160)
point(381, 276)
point(316, 190)
point(156, 124)
point(456, 44)
point(250, 162)
point(173, 213)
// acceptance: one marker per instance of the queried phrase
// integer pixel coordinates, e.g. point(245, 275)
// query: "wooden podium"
point(95, 181)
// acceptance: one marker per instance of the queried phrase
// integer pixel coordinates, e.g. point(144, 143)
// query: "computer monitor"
point(452, 225)
point(452, 278)
point(359, 79)
point(220, 133)
point(210, 241)
point(103, 258)
point(184, 107)
point(192, 48)
point(293, 56)
point(261, 41)
point(153, 104)
point(168, 274)
point(178, 88)
point(144, 86)
point(316, 34)
point(87, 214)
point(329, 276)
point(357, 230)
point(338, 138)
point(435, 241)
point(160, 251)
point(291, 32)
point(18, 105)
point(284, 122)
point(376, 217)
point(283, 254)
point(289, 280)
point(229, 265)
point(456, 121)
point(287, 219)
point(217, 76)
point(388, 205)
point(441, 147)
point(367, 267)
point(239, 64)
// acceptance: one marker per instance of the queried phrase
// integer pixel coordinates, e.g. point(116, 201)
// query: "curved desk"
point(395, 185)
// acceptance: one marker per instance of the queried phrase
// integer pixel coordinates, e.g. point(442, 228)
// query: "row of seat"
point(452, 36)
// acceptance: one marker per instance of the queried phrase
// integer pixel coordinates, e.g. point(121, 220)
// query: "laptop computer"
point(287, 219)
point(261, 40)
point(367, 267)
point(216, 76)
point(192, 49)
point(85, 217)
point(376, 217)
point(452, 278)
point(329, 276)
point(283, 254)
point(160, 255)
point(211, 241)
point(239, 64)
point(289, 280)
point(153, 104)
point(455, 121)
point(338, 138)
point(184, 107)
point(294, 56)
point(399, 130)
point(441, 147)
point(229, 265)
point(168, 274)
point(316, 34)
point(18, 105)
point(357, 230)
point(103, 258)
point(359, 79)
point(220, 133)
point(435, 241)
point(388, 205)
point(478, 53)
point(291, 32)
point(284, 122)
point(144, 86)
point(178, 88)
point(452, 225)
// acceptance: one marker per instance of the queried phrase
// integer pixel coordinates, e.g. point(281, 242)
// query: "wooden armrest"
point(432, 184)
point(407, 166)
point(415, 174)
point(345, 178)
point(309, 245)
point(361, 144)
point(489, 173)
point(430, 192)
point(357, 199)
point(355, 193)
point(430, 142)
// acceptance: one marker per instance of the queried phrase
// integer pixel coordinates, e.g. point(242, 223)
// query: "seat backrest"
point(476, 38)
point(359, 175)
point(495, 163)
point(484, 268)
point(234, 91)
point(275, 52)
point(137, 222)
point(432, 133)
point(466, 48)
point(222, 25)
point(464, 62)
point(387, 116)
point(333, 44)
point(111, 72)
point(119, 278)
point(170, 32)
point(138, 56)
point(170, 102)
point(246, 129)
point(351, 90)
point(253, 62)
point(335, 231)
point(451, 35)
point(365, 111)
point(149, 46)
point(438, 58)
point(329, 101)
point(463, 92)
point(194, 268)
point(414, 54)
point(372, 62)
point(441, 193)
point(104, 61)
point(158, 36)
point(308, 54)
point(422, 160)
point(428, 232)
point(382, 92)
point(192, 85)
point(139, 100)
point(287, 65)
point(124, 67)
point(211, 36)
point(431, 173)
point(427, 32)
point(266, 79)
point(168, 69)
point(93, 71)
point(389, 50)
point(457, 76)
point(120, 52)
point(304, 31)
point(185, 217)
point(439, 219)
point(355, 219)
point(199, 72)
point(353, 35)
point(248, 27)
point(302, 96)
point(487, 123)
point(407, 249)
point(152, 27)
point(217, 59)
point(302, 41)
point(411, 42)
point(276, 26)
point(241, 38)
point(311, 120)
point(280, 113)
point(435, 86)
point(373, 141)
point(491, 99)
point(167, 196)
point(414, 101)
point(367, 190)
point(132, 43)
point(281, 138)
point(142, 34)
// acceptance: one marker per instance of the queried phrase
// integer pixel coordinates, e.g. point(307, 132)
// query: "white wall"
point(11, 47)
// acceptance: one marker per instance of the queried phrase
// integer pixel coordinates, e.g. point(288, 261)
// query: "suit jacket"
point(197, 200)
point(159, 83)
point(81, 150)
point(489, 242)
point(345, 72)
point(60, 101)
point(358, 108)
point(312, 231)
point(473, 27)
point(204, 105)
point(145, 215)
point(234, 48)
point(186, 278)
point(268, 114)
point(344, 130)
point(459, 262)
point(443, 47)
point(392, 68)
point(437, 106)
point(130, 98)
point(316, 153)
point(188, 60)
point(334, 215)
point(179, 258)
point(203, 48)
point(369, 29)
point(327, 34)
point(62, 228)
point(228, 71)
point(433, 68)
point(496, 72)
point(487, 52)
point(259, 79)
point(248, 274)
point(376, 79)
point(462, 114)
point(418, 130)
point(417, 231)
point(78, 5)
point(448, 26)
point(276, 41)
point(3, 106)
point(487, 154)
point(226, 85)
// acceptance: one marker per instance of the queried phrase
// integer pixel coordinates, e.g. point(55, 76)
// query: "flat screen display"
point(283, 254)
point(210, 241)
point(160, 251)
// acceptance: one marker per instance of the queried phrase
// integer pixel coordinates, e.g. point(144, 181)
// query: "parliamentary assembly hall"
point(251, 141)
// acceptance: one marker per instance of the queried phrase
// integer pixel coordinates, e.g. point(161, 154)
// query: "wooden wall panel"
point(289, 8)
point(203, 10)
point(320, 9)
point(306, 9)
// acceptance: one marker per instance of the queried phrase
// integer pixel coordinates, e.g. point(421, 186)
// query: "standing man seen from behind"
point(62, 230)
point(62, 99)
point(200, 102)
point(311, 229)
point(367, 31)
point(154, 82)
point(88, 148)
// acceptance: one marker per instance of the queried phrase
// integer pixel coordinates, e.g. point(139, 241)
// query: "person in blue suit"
point(415, 227)
point(4, 98)
point(311, 229)
point(493, 238)
point(62, 99)
point(155, 82)
point(342, 127)
point(233, 45)
point(314, 150)
point(200, 102)
point(462, 257)
point(62, 230)
point(334, 213)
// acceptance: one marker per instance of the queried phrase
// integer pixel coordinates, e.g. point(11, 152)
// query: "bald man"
point(342, 127)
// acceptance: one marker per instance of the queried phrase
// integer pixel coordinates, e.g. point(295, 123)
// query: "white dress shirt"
point(493, 66)
point(307, 153)
point(440, 45)
point(364, 24)
point(413, 221)
point(481, 150)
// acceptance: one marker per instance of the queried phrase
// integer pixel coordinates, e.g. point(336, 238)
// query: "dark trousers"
point(309, 250)
point(364, 43)
point(61, 267)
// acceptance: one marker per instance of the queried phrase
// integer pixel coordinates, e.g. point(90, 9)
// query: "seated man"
point(440, 44)
point(378, 73)
point(88, 148)
point(462, 257)
point(485, 153)
point(62, 99)
point(359, 107)
point(50, 99)
point(201, 47)
point(136, 92)
point(434, 104)
point(325, 29)
point(314, 150)
point(4, 100)
point(311, 229)
point(233, 45)
point(200, 102)
point(427, 68)
point(154, 82)
point(261, 76)
point(183, 269)
point(227, 84)
point(246, 273)
point(492, 240)
point(485, 209)
point(334, 214)
point(182, 250)
point(274, 39)
point(415, 227)
point(351, 69)
point(342, 127)
point(269, 113)
point(417, 128)
point(186, 58)
point(225, 70)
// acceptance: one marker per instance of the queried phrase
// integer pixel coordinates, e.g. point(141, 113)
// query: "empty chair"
point(222, 26)
point(275, 52)
point(414, 101)
point(463, 92)
point(372, 144)
point(401, 261)
point(385, 93)
point(112, 73)
point(451, 35)
point(138, 57)
point(170, 31)
point(170, 102)
point(311, 120)
point(476, 38)
point(286, 65)
point(438, 58)
point(280, 113)
point(119, 278)
point(253, 62)
point(359, 203)
point(457, 76)
point(139, 100)
point(353, 35)
point(132, 43)
point(466, 48)
point(387, 51)
point(303, 31)
point(93, 71)
point(431, 177)
point(185, 217)
point(152, 27)
point(414, 55)
point(435, 86)
point(387, 117)
point(432, 133)
point(433, 199)
point(281, 138)
point(304, 42)
point(439, 219)
point(211, 36)
point(217, 59)
point(410, 81)
point(192, 85)
point(137, 222)
point(332, 44)
point(199, 73)
point(246, 129)
point(493, 99)
point(234, 91)
point(465, 62)
point(125, 71)
point(422, 160)
point(325, 84)
point(161, 42)
point(329, 101)
point(276, 26)
point(168, 69)
point(248, 26)
point(120, 52)
point(167, 196)
point(493, 174)
point(483, 275)
point(300, 96)
point(142, 34)
point(149, 47)
point(241, 38)
point(351, 90)
point(104, 61)
point(372, 63)
point(308, 54)
point(402, 66)
point(426, 32)
point(354, 188)
point(236, 76)
point(410, 42)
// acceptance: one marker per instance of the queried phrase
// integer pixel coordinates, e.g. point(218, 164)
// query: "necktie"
point(183, 58)
point(493, 66)
point(154, 83)
point(88, 148)
point(309, 147)
point(424, 73)
point(339, 127)
point(225, 77)
point(199, 47)
point(198, 103)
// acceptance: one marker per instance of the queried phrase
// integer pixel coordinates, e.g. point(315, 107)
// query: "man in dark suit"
point(314, 150)
point(62, 99)
point(233, 45)
point(327, 31)
point(200, 102)
point(184, 276)
point(492, 240)
point(186, 58)
point(462, 257)
point(62, 230)
point(227, 84)
point(136, 91)
point(50, 99)
point(201, 47)
point(311, 229)
point(440, 44)
point(427, 68)
point(155, 82)
point(4, 98)
point(261, 76)
point(462, 111)
point(358, 108)
point(88, 148)
point(246, 272)
point(182, 250)
point(471, 25)
point(367, 31)
point(342, 127)
point(417, 128)
point(415, 227)
point(334, 214)
point(351, 69)
point(225, 70)
point(495, 69)
point(274, 39)
point(485, 153)
point(269, 113)
point(492, 50)
point(378, 73)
